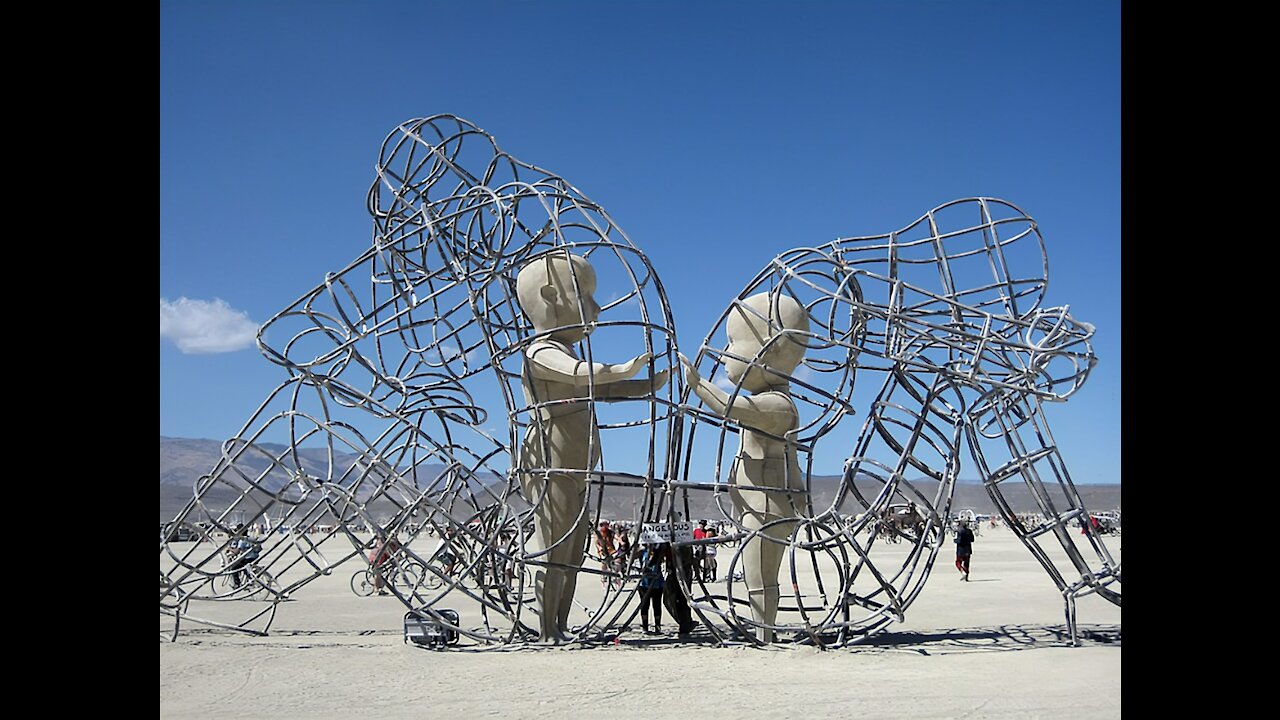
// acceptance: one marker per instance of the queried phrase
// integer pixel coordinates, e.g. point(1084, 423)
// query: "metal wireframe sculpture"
point(386, 409)
point(388, 415)
point(943, 319)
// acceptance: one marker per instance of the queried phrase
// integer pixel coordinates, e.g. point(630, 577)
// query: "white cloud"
point(200, 326)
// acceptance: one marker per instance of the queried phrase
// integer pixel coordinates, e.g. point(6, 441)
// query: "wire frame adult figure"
point(404, 408)
point(941, 326)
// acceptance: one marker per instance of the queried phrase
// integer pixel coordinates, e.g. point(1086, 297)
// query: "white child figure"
point(562, 444)
point(766, 455)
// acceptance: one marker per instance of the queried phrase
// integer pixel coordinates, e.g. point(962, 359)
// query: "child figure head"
point(546, 290)
point(759, 321)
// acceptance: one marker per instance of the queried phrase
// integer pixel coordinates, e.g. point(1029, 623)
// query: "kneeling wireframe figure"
point(765, 347)
point(562, 444)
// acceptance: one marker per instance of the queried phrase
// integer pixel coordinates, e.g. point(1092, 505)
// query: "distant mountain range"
point(183, 461)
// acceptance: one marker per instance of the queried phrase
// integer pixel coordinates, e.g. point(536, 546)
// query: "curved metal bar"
point(935, 331)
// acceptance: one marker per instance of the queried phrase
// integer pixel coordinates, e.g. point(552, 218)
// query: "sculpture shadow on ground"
point(1004, 638)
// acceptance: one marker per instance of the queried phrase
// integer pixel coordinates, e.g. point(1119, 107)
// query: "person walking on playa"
point(964, 548)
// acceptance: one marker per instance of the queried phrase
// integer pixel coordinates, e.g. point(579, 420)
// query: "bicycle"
point(258, 584)
point(405, 578)
point(255, 582)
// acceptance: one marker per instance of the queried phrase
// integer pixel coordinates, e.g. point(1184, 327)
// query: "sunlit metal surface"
point(402, 407)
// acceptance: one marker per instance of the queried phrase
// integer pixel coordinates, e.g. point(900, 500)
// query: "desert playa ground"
point(994, 647)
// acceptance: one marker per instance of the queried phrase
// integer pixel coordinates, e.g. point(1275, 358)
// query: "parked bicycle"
point(405, 577)
point(241, 577)
point(254, 583)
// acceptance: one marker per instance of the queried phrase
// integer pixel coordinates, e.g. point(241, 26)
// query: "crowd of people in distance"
point(658, 567)
point(619, 548)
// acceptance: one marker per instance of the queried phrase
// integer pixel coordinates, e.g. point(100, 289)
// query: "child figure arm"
point(770, 412)
point(633, 388)
point(550, 362)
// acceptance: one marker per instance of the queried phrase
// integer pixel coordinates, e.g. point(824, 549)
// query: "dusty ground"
point(990, 648)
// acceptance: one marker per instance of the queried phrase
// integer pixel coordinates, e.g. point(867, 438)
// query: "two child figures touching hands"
point(562, 444)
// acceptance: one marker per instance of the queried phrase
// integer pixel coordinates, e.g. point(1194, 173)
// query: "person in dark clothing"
point(677, 582)
point(964, 548)
point(652, 562)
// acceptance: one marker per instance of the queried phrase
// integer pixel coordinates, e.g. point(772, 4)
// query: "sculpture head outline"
point(556, 292)
point(763, 327)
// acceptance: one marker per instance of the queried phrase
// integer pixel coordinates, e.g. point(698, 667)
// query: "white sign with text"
point(654, 533)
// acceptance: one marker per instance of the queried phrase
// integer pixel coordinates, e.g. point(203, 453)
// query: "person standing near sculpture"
point(699, 551)
point(380, 559)
point(653, 561)
point(606, 548)
point(709, 566)
point(964, 549)
point(562, 445)
point(765, 347)
point(622, 557)
point(676, 587)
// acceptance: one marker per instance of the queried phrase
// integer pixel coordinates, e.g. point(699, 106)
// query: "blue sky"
point(716, 134)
